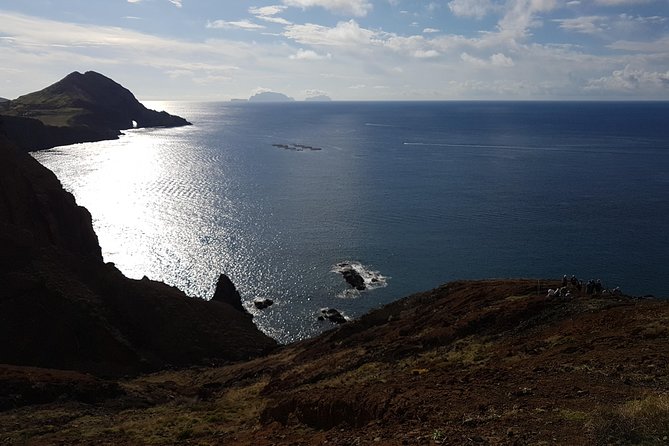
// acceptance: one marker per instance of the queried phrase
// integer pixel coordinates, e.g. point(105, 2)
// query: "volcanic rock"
point(354, 279)
point(226, 292)
point(261, 304)
point(62, 307)
point(333, 315)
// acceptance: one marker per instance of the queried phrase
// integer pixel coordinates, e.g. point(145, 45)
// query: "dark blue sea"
point(417, 193)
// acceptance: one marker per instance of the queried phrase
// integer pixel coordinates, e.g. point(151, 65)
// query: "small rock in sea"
point(352, 277)
point(332, 315)
point(261, 304)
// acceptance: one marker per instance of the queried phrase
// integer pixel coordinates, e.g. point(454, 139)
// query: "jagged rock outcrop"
point(261, 304)
point(62, 307)
point(227, 293)
point(332, 315)
point(79, 108)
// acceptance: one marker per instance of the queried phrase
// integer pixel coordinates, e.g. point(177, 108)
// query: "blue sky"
point(347, 49)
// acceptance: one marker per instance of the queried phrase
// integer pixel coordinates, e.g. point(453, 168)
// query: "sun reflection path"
point(152, 207)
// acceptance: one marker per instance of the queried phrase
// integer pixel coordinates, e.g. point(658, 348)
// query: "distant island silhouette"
point(270, 96)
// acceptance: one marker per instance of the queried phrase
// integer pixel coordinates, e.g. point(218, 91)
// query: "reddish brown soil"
point(486, 362)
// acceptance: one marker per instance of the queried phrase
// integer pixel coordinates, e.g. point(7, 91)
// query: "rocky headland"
point(89, 356)
point(79, 108)
point(62, 307)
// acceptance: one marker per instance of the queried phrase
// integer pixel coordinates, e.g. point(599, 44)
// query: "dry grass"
point(179, 421)
point(643, 421)
point(470, 351)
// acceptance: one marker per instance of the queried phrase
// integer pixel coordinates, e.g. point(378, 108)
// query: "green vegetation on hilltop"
point(90, 106)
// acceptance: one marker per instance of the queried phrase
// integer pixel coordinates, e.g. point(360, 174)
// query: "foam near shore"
point(371, 279)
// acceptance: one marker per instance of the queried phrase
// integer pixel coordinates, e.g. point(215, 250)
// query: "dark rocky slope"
point(469, 363)
point(78, 108)
point(62, 307)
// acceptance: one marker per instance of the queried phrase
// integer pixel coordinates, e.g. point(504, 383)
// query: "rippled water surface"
point(422, 193)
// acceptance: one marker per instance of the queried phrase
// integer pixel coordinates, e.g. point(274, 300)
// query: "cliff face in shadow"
point(79, 108)
point(62, 307)
point(32, 134)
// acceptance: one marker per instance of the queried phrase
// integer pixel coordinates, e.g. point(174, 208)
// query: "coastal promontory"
point(78, 108)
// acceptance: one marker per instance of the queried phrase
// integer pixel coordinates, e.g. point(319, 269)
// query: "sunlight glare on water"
point(421, 193)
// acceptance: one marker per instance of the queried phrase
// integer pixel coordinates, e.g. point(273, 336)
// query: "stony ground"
point(484, 363)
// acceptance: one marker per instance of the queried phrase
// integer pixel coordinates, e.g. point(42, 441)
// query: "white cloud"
point(500, 60)
point(303, 54)
point(351, 37)
point(655, 19)
point(593, 24)
point(496, 60)
point(268, 14)
point(466, 57)
point(654, 46)
point(315, 94)
point(343, 34)
point(426, 54)
point(521, 15)
point(42, 47)
point(240, 24)
point(631, 79)
point(177, 3)
point(471, 8)
point(267, 10)
point(358, 8)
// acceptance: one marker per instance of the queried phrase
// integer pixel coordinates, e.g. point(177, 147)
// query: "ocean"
point(415, 194)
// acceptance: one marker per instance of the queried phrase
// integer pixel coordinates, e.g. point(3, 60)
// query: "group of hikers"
point(572, 286)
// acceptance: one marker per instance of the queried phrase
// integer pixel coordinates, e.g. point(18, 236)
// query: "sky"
point(217, 50)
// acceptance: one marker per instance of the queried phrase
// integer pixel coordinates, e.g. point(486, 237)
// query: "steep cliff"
point(62, 307)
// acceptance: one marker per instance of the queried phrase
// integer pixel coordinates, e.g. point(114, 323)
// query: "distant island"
point(270, 96)
point(78, 108)
point(318, 98)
